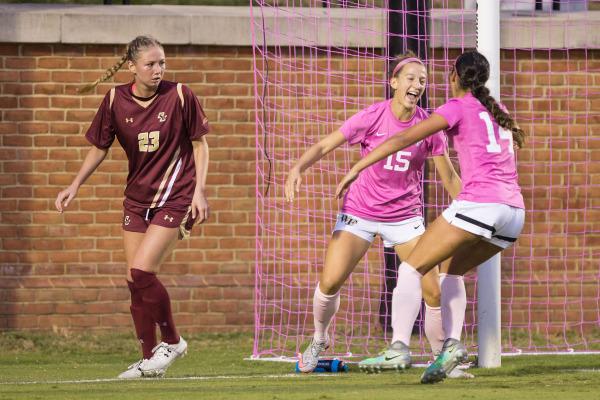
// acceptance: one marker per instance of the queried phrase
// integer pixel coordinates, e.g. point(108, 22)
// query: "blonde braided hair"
point(131, 54)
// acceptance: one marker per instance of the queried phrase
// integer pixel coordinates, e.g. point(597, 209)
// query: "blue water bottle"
point(328, 365)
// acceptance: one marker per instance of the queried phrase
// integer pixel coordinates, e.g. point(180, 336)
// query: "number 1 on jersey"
point(493, 146)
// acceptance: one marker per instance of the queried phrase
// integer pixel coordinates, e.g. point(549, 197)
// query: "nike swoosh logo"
point(416, 227)
point(380, 134)
point(390, 358)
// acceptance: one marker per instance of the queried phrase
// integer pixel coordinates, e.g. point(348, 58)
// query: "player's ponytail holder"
point(404, 62)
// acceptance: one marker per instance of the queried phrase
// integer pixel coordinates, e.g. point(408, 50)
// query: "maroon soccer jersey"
point(156, 134)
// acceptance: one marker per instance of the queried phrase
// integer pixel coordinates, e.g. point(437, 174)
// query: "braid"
point(473, 72)
point(109, 73)
point(131, 54)
point(503, 119)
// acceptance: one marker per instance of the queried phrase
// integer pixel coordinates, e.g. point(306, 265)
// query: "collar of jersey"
point(144, 98)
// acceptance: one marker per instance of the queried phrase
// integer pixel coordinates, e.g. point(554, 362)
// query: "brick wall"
point(66, 272)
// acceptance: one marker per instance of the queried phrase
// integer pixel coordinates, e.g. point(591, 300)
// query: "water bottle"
point(328, 365)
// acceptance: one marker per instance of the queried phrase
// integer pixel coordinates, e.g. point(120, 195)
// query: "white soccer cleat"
point(307, 361)
point(460, 373)
point(134, 371)
point(164, 355)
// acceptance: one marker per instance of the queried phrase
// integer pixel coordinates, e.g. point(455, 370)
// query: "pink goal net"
point(317, 63)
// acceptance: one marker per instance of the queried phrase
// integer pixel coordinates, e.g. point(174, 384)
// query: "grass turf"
point(75, 367)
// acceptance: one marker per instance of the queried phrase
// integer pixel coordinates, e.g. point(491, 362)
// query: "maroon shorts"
point(137, 219)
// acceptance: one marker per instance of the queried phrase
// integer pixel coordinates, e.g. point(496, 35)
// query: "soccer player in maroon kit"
point(161, 127)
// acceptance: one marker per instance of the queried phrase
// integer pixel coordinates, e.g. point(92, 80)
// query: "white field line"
point(183, 378)
point(293, 360)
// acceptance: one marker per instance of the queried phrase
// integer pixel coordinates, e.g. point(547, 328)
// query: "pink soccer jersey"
point(485, 153)
point(391, 189)
point(157, 140)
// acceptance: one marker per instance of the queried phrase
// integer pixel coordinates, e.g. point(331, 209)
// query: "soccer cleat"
point(453, 353)
point(308, 360)
point(134, 371)
point(396, 357)
point(460, 373)
point(164, 355)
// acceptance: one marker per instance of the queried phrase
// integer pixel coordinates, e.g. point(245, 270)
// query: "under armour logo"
point(129, 120)
point(348, 220)
point(127, 220)
point(168, 218)
point(162, 117)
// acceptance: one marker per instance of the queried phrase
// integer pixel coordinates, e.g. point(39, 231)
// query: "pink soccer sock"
point(454, 304)
point(406, 303)
point(433, 328)
point(324, 308)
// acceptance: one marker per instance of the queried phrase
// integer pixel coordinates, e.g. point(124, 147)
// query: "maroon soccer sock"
point(156, 302)
point(145, 328)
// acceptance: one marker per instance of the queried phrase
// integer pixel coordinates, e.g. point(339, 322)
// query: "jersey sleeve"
point(438, 144)
point(194, 118)
point(451, 111)
point(356, 128)
point(101, 132)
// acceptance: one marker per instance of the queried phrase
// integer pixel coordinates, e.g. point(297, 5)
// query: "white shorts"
point(392, 233)
point(499, 224)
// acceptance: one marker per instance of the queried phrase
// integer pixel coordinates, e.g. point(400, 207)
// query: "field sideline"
point(35, 366)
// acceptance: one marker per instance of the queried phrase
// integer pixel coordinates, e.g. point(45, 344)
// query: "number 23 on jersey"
point(148, 141)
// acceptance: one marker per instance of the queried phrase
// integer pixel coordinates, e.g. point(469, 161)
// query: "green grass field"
point(36, 366)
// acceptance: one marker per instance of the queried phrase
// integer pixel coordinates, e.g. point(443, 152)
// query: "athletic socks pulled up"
point(454, 304)
point(145, 329)
point(156, 302)
point(324, 308)
point(406, 303)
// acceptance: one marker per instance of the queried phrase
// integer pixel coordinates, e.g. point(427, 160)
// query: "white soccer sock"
point(433, 328)
point(324, 308)
point(406, 303)
point(454, 304)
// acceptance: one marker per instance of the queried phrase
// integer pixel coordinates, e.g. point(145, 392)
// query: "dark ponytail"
point(473, 71)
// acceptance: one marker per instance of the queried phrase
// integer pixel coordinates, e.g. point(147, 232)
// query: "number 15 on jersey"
point(400, 164)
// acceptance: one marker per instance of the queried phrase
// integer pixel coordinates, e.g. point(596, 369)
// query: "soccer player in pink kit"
point(161, 127)
point(485, 218)
point(386, 201)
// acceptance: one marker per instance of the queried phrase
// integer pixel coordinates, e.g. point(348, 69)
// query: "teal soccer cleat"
point(453, 353)
point(396, 357)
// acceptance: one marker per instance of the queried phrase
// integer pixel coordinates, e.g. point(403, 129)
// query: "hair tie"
point(404, 62)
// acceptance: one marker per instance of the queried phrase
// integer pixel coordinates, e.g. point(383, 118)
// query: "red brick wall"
point(67, 271)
